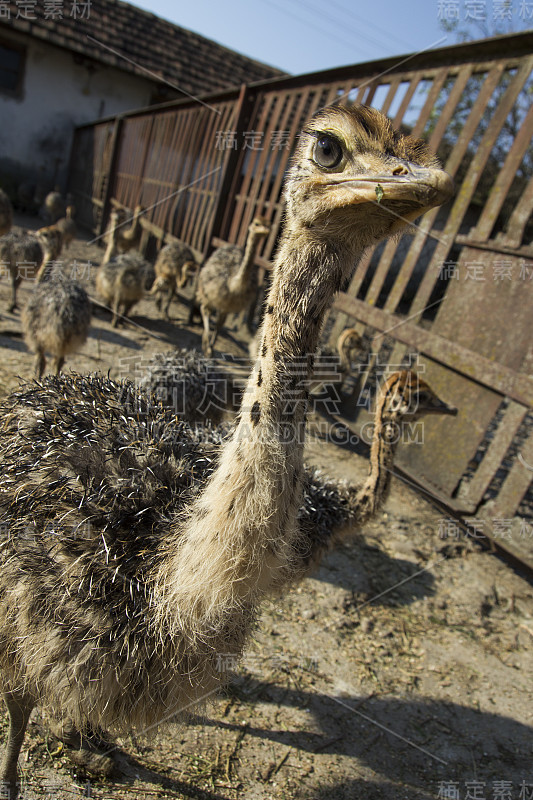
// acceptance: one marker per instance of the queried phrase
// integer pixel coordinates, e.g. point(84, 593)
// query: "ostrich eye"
point(328, 152)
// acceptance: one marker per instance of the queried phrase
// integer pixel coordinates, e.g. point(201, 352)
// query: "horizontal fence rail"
point(455, 294)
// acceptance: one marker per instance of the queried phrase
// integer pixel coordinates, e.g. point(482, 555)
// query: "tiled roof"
point(171, 53)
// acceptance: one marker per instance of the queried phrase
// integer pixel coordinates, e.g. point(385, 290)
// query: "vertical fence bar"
point(115, 150)
point(228, 185)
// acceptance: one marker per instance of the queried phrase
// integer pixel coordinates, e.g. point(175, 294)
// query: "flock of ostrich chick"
point(136, 547)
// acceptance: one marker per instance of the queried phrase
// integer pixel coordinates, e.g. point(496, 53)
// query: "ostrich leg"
point(19, 707)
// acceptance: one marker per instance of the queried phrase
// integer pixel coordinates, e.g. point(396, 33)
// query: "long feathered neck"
point(112, 234)
point(46, 268)
point(110, 251)
point(247, 264)
point(376, 488)
point(237, 543)
point(133, 230)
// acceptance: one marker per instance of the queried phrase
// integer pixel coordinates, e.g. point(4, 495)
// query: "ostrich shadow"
point(416, 745)
point(12, 340)
point(420, 741)
point(373, 576)
point(112, 337)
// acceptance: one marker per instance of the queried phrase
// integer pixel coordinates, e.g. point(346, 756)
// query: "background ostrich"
point(56, 318)
point(6, 213)
point(111, 234)
point(25, 253)
point(67, 227)
point(331, 509)
point(119, 616)
point(174, 263)
point(349, 346)
point(228, 281)
point(125, 239)
point(53, 206)
point(194, 387)
point(122, 282)
point(54, 240)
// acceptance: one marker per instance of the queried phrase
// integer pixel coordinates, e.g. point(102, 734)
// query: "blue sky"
point(306, 35)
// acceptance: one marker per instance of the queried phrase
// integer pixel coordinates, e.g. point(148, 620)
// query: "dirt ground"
point(402, 669)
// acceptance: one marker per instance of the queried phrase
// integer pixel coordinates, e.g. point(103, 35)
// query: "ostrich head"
point(259, 227)
point(354, 180)
point(51, 241)
point(405, 395)
point(349, 344)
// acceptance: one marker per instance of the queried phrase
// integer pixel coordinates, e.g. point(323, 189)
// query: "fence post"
point(228, 185)
point(115, 149)
point(147, 148)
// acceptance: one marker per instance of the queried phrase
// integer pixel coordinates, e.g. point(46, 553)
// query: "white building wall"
point(58, 94)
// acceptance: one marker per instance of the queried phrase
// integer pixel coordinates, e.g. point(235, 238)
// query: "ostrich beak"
point(424, 186)
point(434, 405)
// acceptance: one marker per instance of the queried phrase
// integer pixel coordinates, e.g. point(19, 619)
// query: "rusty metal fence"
point(456, 294)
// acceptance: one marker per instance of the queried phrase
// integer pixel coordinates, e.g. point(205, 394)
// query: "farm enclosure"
point(456, 296)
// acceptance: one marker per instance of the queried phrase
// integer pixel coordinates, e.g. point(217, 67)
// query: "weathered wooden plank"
point(503, 182)
point(160, 163)
point(414, 83)
point(187, 174)
point(181, 169)
point(468, 187)
point(391, 94)
point(473, 490)
point(113, 161)
point(465, 73)
point(385, 261)
point(256, 195)
point(243, 213)
point(452, 164)
point(221, 220)
point(295, 113)
point(213, 163)
point(432, 96)
point(516, 484)
point(206, 157)
point(519, 219)
point(495, 246)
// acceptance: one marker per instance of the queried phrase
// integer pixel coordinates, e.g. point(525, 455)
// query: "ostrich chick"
point(111, 234)
point(174, 263)
point(125, 239)
point(349, 347)
point(130, 238)
point(122, 282)
point(54, 240)
point(194, 387)
point(228, 281)
point(6, 213)
point(330, 510)
point(56, 318)
point(67, 227)
point(25, 253)
point(53, 207)
point(119, 588)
